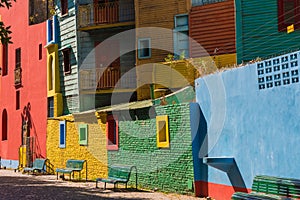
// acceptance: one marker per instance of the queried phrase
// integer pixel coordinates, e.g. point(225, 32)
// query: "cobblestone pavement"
point(15, 185)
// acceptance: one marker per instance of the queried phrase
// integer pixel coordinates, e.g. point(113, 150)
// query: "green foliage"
point(5, 31)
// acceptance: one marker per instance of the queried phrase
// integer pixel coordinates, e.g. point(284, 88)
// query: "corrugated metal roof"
point(127, 106)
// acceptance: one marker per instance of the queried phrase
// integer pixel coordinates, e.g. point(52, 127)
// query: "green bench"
point(72, 166)
point(118, 174)
point(39, 165)
point(270, 187)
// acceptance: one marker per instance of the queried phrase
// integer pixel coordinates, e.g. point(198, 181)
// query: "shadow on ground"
point(12, 188)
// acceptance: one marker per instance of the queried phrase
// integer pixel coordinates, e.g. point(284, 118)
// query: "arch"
point(4, 125)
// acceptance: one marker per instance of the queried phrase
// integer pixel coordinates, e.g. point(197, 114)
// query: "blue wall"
point(250, 119)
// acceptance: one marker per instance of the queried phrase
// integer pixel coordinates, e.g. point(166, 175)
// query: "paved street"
point(15, 185)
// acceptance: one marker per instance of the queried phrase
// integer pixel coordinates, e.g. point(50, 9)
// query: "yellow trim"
point(52, 70)
point(93, 27)
point(162, 131)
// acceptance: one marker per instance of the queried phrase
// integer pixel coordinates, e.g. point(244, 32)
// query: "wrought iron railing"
point(106, 13)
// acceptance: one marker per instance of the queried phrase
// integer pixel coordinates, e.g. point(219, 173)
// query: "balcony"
point(109, 14)
point(18, 77)
point(103, 79)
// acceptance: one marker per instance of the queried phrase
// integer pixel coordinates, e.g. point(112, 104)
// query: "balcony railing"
point(105, 79)
point(18, 77)
point(106, 13)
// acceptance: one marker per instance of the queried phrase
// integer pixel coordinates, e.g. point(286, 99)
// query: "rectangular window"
point(51, 107)
point(40, 51)
point(144, 48)
point(64, 7)
point(83, 134)
point(112, 133)
point(18, 58)
point(17, 100)
point(62, 134)
point(4, 59)
point(288, 14)
point(162, 132)
point(204, 2)
point(67, 64)
point(181, 36)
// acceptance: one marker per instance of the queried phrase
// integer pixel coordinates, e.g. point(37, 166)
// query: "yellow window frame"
point(162, 131)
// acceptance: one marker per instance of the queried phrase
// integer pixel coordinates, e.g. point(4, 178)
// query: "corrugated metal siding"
point(157, 13)
point(213, 26)
point(258, 34)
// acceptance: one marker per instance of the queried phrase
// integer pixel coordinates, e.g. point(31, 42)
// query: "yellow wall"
point(95, 152)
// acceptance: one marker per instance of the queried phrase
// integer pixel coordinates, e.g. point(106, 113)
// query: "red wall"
point(34, 88)
point(213, 26)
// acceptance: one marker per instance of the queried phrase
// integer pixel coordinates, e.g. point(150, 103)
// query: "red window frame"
point(4, 125)
point(112, 133)
point(283, 14)
point(67, 58)
point(18, 58)
point(4, 59)
point(64, 7)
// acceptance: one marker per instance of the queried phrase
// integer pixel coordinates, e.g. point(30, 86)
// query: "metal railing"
point(106, 13)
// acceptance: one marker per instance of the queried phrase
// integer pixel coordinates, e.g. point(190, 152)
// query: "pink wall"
point(33, 89)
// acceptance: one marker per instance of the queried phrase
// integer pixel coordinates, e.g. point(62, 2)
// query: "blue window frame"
point(62, 134)
point(52, 30)
point(144, 48)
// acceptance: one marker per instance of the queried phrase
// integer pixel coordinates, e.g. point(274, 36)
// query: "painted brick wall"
point(94, 152)
point(165, 169)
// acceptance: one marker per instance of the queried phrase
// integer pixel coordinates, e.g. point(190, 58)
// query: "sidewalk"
point(15, 185)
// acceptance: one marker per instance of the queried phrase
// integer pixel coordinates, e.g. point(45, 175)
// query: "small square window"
point(144, 48)
point(288, 14)
point(67, 63)
point(62, 134)
point(64, 7)
point(162, 132)
point(83, 134)
point(112, 133)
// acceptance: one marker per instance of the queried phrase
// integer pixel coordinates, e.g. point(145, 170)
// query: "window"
point(144, 48)
point(52, 30)
point(40, 51)
point(64, 7)
point(4, 59)
point(181, 38)
point(112, 133)
point(83, 134)
point(17, 100)
point(50, 106)
point(162, 131)
point(50, 72)
point(204, 2)
point(4, 125)
point(288, 14)
point(62, 134)
point(67, 64)
point(18, 58)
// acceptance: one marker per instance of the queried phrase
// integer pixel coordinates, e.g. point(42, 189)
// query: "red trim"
point(112, 124)
point(216, 191)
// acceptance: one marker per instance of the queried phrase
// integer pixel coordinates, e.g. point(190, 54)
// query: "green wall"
point(257, 31)
point(169, 170)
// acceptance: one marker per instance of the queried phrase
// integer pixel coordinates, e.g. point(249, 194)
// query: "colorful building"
point(246, 124)
point(262, 28)
point(23, 103)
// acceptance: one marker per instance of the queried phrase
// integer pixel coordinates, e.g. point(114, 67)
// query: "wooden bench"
point(269, 187)
point(118, 174)
point(72, 166)
point(39, 165)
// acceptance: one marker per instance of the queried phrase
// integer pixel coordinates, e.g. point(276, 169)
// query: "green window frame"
point(83, 134)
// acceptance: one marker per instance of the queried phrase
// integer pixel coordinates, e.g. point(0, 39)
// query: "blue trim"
point(52, 30)
point(139, 48)
point(62, 134)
